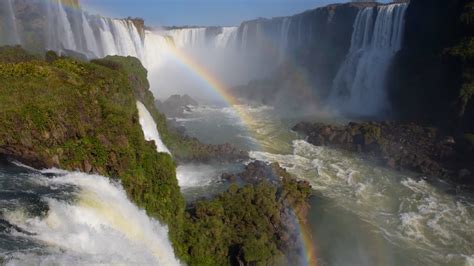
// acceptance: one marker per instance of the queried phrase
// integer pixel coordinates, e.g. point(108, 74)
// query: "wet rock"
point(176, 105)
point(399, 146)
point(87, 167)
point(463, 173)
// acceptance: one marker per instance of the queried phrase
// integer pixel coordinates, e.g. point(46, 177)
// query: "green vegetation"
point(183, 148)
point(464, 52)
point(78, 115)
point(82, 116)
point(253, 224)
point(469, 138)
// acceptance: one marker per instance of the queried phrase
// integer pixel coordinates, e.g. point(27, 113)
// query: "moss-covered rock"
point(81, 116)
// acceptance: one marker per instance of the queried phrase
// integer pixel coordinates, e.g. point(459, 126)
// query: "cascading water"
point(91, 40)
point(73, 218)
point(188, 37)
point(284, 30)
point(245, 32)
point(74, 30)
point(60, 35)
point(8, 27)
point(359, 86)
point(227, 37)
point(149, 128)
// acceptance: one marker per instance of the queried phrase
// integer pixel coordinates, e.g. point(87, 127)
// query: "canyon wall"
point(432, 77)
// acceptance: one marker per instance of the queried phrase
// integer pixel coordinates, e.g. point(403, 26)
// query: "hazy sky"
point(200, 12)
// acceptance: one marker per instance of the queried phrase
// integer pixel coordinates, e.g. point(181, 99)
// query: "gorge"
point(379, 173)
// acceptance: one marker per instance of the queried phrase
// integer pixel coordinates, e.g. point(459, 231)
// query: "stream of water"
point(361, 213)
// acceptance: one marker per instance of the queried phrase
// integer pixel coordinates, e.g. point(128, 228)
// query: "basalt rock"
point(176, 105)
point(426, 150)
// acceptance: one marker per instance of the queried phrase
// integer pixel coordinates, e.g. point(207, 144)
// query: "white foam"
point(100, 227)
point(409, 213)
point(192, 175)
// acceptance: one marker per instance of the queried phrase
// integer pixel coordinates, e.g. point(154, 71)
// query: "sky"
point(200, 12)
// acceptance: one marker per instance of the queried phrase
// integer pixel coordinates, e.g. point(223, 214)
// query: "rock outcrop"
point(432, 77)
point(176, 105)
point(310, 54)
point(426, 150)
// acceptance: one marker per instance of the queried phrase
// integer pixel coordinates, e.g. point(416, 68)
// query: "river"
point(361, 213)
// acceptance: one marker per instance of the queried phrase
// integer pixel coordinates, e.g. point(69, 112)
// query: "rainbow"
point(216, 85)
point(211, 80)
point(187, 61)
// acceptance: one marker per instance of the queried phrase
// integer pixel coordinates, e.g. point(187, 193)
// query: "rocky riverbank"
point(426, 150)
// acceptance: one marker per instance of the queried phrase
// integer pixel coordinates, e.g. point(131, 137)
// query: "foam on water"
point(410, 213)
point(191, 175)
point(99, 225)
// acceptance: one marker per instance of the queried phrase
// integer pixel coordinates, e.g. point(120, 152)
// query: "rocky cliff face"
point(431, 78)
point(300, 55)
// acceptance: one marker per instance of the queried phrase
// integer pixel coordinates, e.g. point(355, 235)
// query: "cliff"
point(432, 78)
point(74, 115)
point(304, 60)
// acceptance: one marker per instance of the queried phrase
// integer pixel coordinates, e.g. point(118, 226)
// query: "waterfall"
point(155, 48)
point(60, 34)
point(107, 38)
point(359, 86)
point(227, 37)
point(149, 128)
point(74, 30)
point(245, 32)
point(126, 38)
point(284, 31)
point(8, 27)
point(188, 37)
point(91, 40)
point(88, 220)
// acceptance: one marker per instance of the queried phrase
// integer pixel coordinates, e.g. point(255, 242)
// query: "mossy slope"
point(83, 116)
point(60, 112)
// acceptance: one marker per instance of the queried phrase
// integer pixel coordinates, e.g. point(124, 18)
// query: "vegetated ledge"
point(256, 223)
point(60, 112)
point(183, 148)
point(425, 150)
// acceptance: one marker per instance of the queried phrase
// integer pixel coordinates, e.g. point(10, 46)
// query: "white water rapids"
point(364, 214)
point(89, 220)
point(406, 220)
